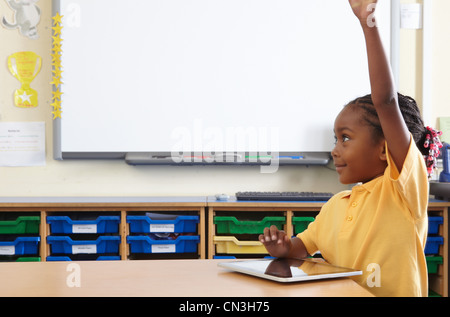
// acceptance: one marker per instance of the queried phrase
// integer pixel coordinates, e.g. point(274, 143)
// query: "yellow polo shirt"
point(380, 228)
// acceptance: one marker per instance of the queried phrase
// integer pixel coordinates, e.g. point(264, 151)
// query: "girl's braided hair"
point(426, 138)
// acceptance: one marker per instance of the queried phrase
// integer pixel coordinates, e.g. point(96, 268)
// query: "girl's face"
point(358, 157)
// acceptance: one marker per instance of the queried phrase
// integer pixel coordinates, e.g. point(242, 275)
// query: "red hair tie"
point(433, 142)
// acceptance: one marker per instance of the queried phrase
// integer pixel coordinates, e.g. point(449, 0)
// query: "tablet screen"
point(289, 270)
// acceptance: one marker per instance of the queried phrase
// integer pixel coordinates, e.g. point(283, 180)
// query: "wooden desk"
point(155, 278)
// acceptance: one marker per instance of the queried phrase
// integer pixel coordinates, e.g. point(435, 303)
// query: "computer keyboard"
point(284, 196)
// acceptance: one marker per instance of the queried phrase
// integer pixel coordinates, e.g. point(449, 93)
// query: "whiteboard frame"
point(165, 158)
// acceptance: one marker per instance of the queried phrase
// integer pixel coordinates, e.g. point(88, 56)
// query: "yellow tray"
point(233, 245)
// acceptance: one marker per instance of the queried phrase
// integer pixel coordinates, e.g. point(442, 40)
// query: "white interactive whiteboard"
point(208, 76)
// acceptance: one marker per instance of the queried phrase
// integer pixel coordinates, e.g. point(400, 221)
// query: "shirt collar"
point(369, 186)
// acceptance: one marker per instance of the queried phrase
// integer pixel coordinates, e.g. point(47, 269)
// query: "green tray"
point(301, 223)
point(22, 225)
point(232, 225)
point(29, 259)
point(433, 262)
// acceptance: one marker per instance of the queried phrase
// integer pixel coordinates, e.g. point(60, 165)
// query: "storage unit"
point(169, 233)
point(19, 236)
point(436, 250)
point(235, 225)
point(72, 234)
point(205, 238)
point(236, 233)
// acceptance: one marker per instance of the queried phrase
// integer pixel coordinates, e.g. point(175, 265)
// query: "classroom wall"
point(441, 56)
point(412, 63)
point(116, 178)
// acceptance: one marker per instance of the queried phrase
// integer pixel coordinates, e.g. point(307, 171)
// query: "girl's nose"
point(335, 152)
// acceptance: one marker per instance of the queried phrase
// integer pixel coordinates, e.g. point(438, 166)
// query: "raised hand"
point(364, 11)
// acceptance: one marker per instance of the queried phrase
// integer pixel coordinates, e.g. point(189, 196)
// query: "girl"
point(380, 226)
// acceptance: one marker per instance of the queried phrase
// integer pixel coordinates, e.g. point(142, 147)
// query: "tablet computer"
point(289, 270)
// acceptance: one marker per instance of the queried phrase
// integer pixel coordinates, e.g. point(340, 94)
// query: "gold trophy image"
point(25, 66)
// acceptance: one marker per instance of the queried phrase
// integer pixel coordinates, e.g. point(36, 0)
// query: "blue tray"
point(65, 245)
point(103, 224)
point(20, 246)
point(432, 245)
point(433, 224)
point(144, 244)
point(144, 224)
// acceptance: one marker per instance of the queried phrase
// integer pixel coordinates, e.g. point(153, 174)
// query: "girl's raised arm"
point(384, 94)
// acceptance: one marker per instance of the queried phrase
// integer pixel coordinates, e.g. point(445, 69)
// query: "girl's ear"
point(382, 147)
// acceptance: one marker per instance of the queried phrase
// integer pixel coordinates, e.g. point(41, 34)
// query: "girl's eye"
point(344, 139)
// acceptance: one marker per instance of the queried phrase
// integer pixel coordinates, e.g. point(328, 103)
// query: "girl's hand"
point(277, 243)
point(364, 10)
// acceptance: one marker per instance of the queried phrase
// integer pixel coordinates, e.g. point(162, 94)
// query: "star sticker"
point(56, 57)
point(57, 43)
point(56, 105)
point(56, 81)
point(56, 114)
point(58, 72)
point(56, 65)
point(57, 19)
point(25, 97)
point(57, 94)
point(57, 29)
